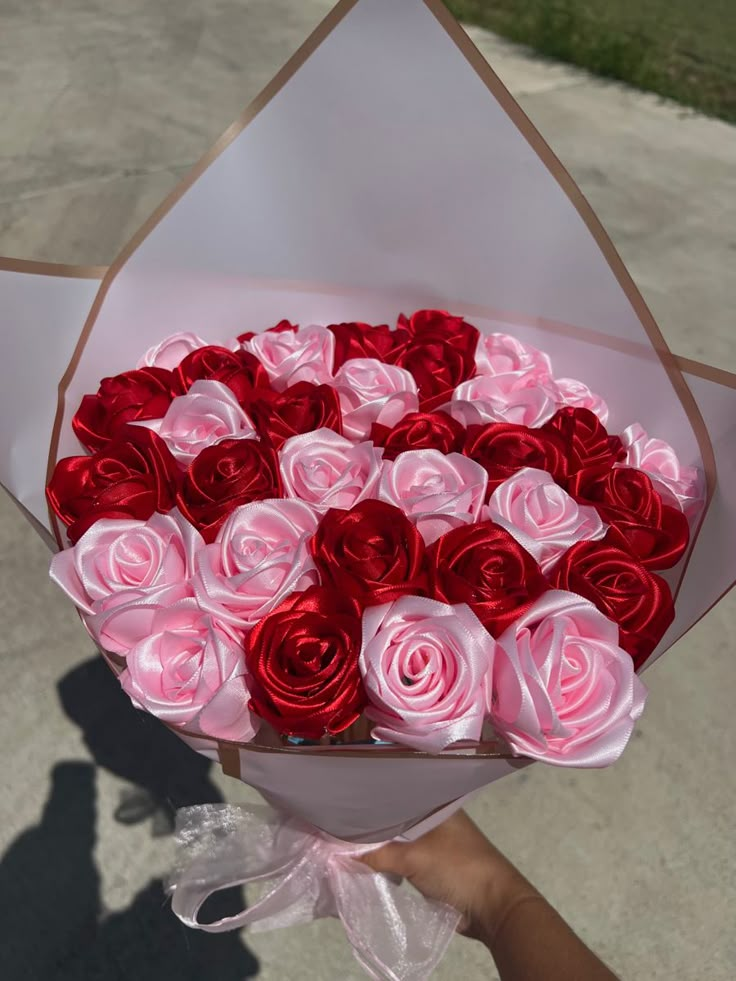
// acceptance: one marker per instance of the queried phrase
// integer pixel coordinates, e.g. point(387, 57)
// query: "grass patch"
point(682, 49)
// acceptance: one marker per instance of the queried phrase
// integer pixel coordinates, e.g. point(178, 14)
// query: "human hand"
point(456, 864)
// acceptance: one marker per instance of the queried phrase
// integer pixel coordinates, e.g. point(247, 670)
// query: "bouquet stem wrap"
point(305, 874)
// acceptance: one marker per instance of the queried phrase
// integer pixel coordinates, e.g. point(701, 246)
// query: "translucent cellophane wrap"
point(385, 169)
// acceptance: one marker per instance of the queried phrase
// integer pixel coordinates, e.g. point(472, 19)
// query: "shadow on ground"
point(54, 924)
point(163, 772)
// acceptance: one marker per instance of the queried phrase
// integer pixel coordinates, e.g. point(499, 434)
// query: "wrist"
point(504, 890)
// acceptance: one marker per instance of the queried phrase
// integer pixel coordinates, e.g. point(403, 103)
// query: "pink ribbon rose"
point(260, 556)
point(328, 471)
point(436, 491)
point(426, 668)
point(499, 354)
point(189, 671)
point(679, 485)
point(172, 350)
point(121, 620)
point(207, 414)
point(542, 517)
point(294, 355)
point(371, 391)
point(126, 558)
point(524, 398)
point(563, 689)
point(572, 392)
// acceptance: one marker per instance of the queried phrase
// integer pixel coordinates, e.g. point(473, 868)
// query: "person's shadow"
point(165, 772)
point(54, 925)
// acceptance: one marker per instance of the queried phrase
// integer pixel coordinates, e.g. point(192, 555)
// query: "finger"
point(389, 859)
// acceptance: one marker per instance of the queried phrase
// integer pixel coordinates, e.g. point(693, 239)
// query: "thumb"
point(389, 859)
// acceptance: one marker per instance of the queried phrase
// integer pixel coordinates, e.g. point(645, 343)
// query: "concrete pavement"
point(105, 105)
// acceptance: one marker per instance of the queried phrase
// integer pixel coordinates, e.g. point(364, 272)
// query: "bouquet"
point(421, 526)
point(373, 562)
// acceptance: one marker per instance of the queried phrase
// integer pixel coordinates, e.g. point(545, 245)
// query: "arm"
point(527, 938)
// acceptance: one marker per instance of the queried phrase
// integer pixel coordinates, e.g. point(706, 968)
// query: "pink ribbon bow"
point(304, 874)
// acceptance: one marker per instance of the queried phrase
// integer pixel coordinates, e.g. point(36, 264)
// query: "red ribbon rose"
point(144, 393)
point(303, 664)
point(484, 566)
point(371, 552)
point(224, 476)
point(440, 354)
point(131, 477)
point(239, 370)
point(503, 448)
point(419, 431)
point(586, 439)
point(655, 533)
point(634, 598)
point(302, 408)
point(442, 326)
point(356, 340)
point(437, 368)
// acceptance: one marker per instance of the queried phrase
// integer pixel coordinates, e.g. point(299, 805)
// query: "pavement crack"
point(123, 174)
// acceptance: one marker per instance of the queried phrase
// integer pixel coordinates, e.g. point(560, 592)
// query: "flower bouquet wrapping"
point(368, 554)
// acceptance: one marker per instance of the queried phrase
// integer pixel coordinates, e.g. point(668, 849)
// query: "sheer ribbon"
point(305, 874)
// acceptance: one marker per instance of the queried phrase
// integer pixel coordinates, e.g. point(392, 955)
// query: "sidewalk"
point(106, 105)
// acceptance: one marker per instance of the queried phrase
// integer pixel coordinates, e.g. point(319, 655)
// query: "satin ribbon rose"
point(679, 484)
point(502, 449)
point(564, 691)
point(542, 516)
point(357, 340)
point(241, 371)
point(639, 601)
point(131, 477)
point(524, 398)
point(587, 442)
point(124, 556)
point(427, 668)
point(303, 659)
point(122, 620)
point(295, 354)
point(172, 350)
point(371, 391)
point(419, 431)
point(190, 671)
point(656, 533)
point(438, 361)
point(301, 408)
point(484, 566)
point(499, 354)
point(575, 393)
point(206, 415)
point(132, 396)
point(329, 471)
point(282, 327)
point(223, 477)
point(436, 491)
point(440, 325)
point(373, 552)
point(260, 556)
